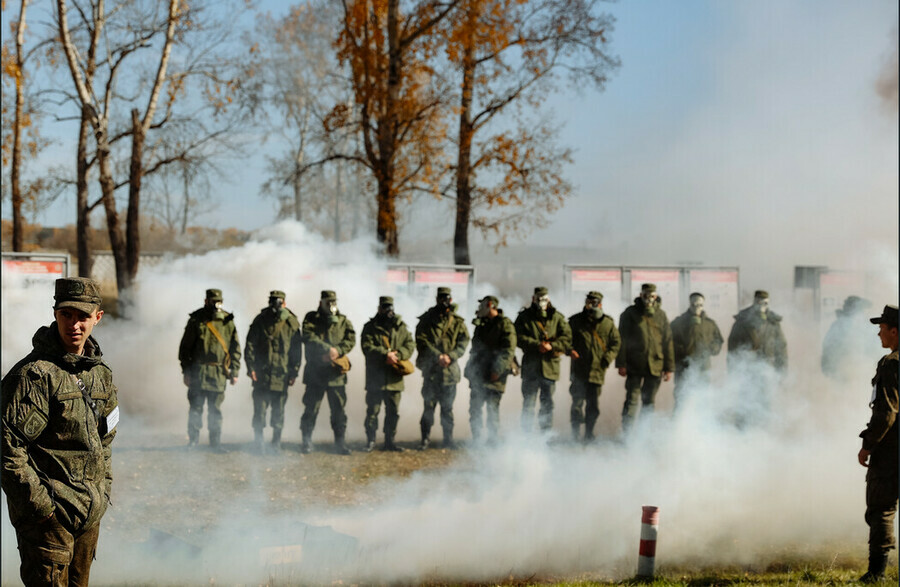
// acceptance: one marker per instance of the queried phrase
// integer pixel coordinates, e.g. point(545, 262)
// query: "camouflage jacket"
point(377, 336)
point(531, 330)
point(881, 436)
point(760, 336)
point(274, 349)
point(320, 333)
point(441, 333)
point(201, 354)
point(493, 352)
point(597, 343)
point(696, 339)
point(646, 341)
point(56, 451)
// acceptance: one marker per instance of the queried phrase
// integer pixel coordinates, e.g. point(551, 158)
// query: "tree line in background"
point(368, 104)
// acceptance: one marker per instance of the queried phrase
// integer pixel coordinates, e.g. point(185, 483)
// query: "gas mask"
point(762, 305)
point(650, 302)
point(443, 302)
point(542, 302)
point(697, 306)
point(484, 310)
point(218, 306)
point(594, 308)
point(386, 311)
point(275, 304)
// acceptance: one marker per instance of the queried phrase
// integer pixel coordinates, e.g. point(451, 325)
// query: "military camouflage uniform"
point(490, 363)
point(438, 332)
point(384, 383)
point(321, 332)
point(59, 414)
point(273, 351)
point(695, 340)
point(597, 342)
point(209, 366)
point(646, 353)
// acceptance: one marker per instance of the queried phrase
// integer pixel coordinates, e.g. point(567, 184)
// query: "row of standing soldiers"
point(651, 351)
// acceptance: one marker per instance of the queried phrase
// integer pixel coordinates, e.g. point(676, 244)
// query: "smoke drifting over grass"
point(785, 480)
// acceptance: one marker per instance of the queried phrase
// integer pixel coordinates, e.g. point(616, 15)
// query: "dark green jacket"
point(646, 341)
point(696, 340)
point(439, 333)
point(54, 458)
point(274, 349)
point(493, 352)
point(880, 436)
point(320, 333)
point(531, 330)
point(201, 354)
point(597, 343)
point(760, 336)
point(380, 375)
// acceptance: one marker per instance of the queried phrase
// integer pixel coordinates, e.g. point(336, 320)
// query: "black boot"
point(276, 440)
point(424, 444)
point(389, 445)
point(306, 444)
point(877, 564)
point(448, 439)
point(370, 442)
point(215, 441)
point(340, 446)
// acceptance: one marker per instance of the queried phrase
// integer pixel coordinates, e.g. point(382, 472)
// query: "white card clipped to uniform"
point(112, 419)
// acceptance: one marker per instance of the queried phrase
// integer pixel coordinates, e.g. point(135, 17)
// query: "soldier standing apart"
point(210, 357)
point(595, 344)
point(879, 450)
point(544, 336)
point(647, 356)
point(328, 336)
point(490, 362)
point(387, 345)
point(59, 416)
point(849, 342)
point(273, 352)
point(441, 339)
point(696, 339)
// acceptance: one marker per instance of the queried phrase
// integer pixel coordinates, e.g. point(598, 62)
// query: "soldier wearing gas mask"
point(210, 357)
point(756, 333)
point(273, 352)
point(595, 345)
point(696, 339)
point(441, 339)
point(647, 356)
point(544, 336)
point(328, 336)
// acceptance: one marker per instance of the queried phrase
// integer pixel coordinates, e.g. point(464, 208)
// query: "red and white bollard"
point(649, 529)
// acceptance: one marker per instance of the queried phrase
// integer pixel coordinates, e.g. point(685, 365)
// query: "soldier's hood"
point(283, 313)
point(536, 309)
point(438, 312)
point(749, 313)
point(209, 314)
point(46, 342)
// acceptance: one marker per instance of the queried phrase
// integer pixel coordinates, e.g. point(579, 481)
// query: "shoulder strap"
point(598, 339)
point(221, 342)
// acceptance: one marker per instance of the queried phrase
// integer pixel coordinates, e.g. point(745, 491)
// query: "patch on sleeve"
point(33, 423)
point(112, 419)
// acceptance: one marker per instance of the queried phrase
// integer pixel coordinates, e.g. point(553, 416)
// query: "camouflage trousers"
point(312, 401)
point(585, 406)
point(881, 506)
point(643, 387)
point(434, 393)
point(263, 399)
point(391, 400)
point(484, 399)
point(53, 556)
point(531, 387)
point(213, 399)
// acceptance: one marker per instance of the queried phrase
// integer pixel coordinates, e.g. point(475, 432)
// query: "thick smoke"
point(742, 472)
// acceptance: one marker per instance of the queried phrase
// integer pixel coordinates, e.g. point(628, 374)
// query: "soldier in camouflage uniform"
point(879, 450)
point(210, 357)
point(491, 360)
point(544, 336)
point(273, 352)
point(329, 337)
point(696, 339)
point(59, 415)
point(595, 344)
point(441, 339)
point(385, 342)
point(647, 356)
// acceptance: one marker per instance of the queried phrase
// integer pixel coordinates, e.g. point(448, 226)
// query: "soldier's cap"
point(760, 294)
point(214, 295)
point(328, 296)
point(648, 288)
point(697, 294)
point(385, 301)
point(80, 293)
point(540, 291)
point(443, 291)
point(276, 293)
point(492, 299)
point(888, 316)
point(854, 303)
point(595, 295)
